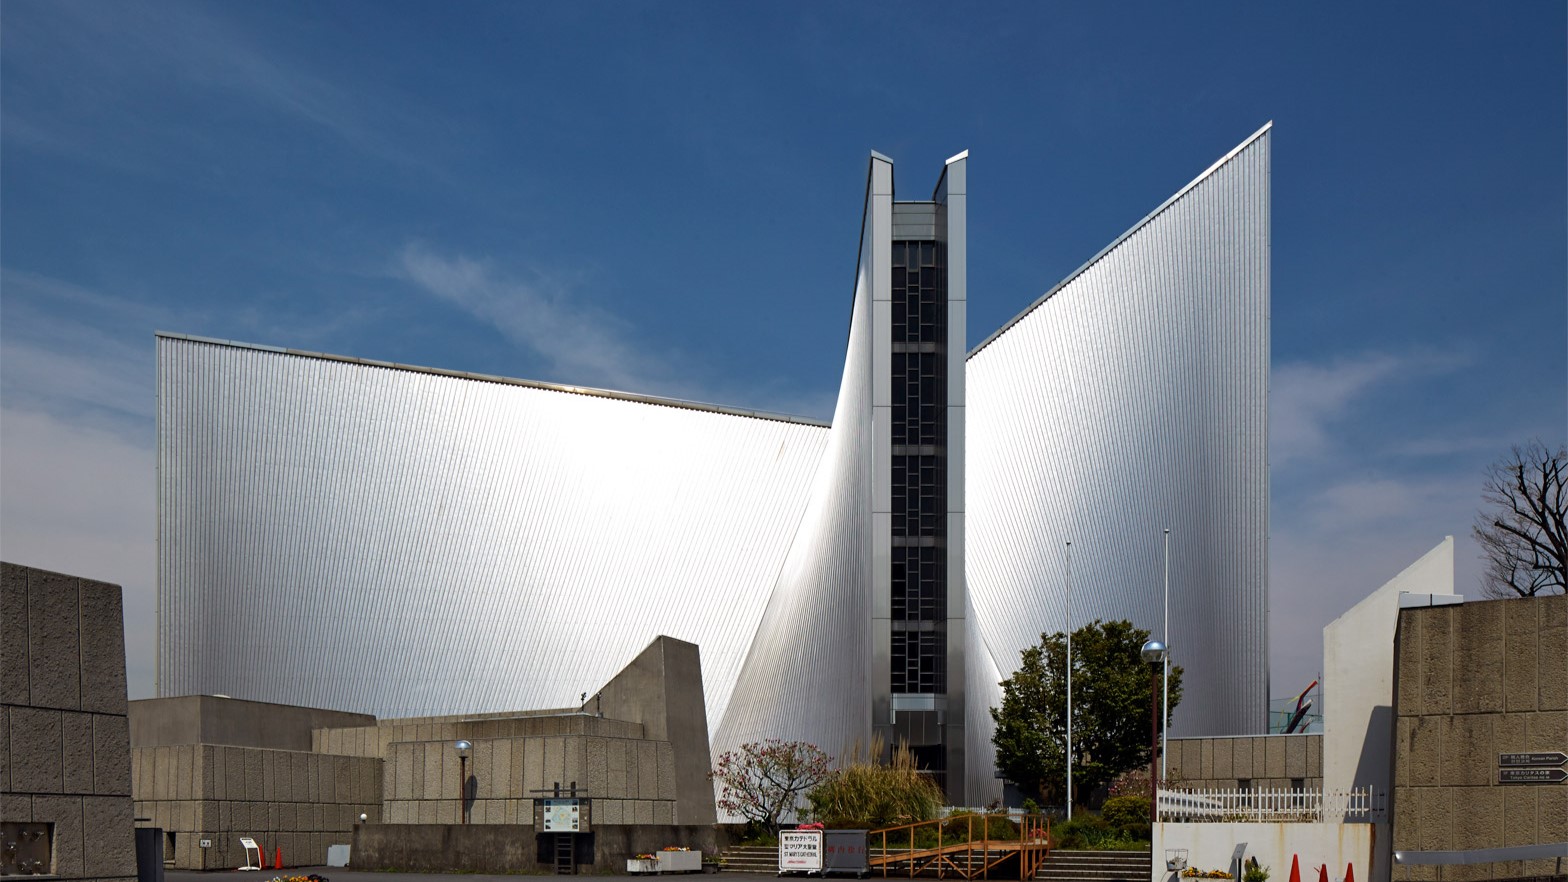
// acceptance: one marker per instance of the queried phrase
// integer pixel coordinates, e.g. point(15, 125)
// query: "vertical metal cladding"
point(403, 542)
point(407, 542)
point(1131, 398)
point(811, 669)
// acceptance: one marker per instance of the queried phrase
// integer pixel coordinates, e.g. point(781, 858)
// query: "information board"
point(562, 816)
point(800, 851)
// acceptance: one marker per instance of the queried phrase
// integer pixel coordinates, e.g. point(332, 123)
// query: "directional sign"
point(1548, 759)
point(1531, 776)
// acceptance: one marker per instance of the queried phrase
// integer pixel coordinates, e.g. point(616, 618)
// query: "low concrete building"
point(65, 779)
point(1247, 762)
point(211, 769)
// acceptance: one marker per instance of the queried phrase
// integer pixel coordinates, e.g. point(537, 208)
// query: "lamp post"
point(462, 747)
point(1154, 655)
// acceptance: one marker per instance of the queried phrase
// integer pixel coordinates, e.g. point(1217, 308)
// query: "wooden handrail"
point(1031, 846)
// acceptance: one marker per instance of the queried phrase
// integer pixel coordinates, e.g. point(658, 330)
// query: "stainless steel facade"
point(820, 667)
point(407, 541)
point(404, 542)
point(1131, 398)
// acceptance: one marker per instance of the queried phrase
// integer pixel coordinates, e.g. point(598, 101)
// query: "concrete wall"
point(64, 739)
point(301, 802)
point(1210, 846)
point(1358, 675)
point(1472, 681)
point(376, 740)
point(630, 780)
point(1270, 762)
point(212, 719)
point(499, 848)
point(662, 690)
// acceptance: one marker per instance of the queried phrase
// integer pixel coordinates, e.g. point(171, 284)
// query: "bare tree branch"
point(1523, 534)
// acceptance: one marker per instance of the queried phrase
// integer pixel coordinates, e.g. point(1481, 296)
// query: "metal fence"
point(1309, 806)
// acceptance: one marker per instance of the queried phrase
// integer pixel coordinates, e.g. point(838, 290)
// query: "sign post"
point(250, 844)
point(1534, 767)
point(800, 851)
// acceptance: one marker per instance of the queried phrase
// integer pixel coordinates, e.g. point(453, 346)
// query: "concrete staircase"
point(1096, 866)
point(754, 859)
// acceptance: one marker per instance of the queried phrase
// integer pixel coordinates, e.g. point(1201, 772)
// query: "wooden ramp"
point(960, 847)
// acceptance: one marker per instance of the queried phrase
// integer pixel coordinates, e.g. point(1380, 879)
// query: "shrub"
point(1126, 811)
point(866, 794)
point(1094, 833)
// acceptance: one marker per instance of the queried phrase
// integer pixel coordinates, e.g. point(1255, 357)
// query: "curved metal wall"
point(1132, 398)
point(402, 542)
point(807, 676)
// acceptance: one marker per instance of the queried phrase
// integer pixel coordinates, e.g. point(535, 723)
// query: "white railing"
point(1315, 806)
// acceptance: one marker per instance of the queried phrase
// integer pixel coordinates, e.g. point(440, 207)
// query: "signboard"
point(1516, 760)
point(562, 816)
point(800, 851)
point(1531, 776)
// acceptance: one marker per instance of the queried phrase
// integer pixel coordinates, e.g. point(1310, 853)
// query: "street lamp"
point(462, 747)
point(1154, 656)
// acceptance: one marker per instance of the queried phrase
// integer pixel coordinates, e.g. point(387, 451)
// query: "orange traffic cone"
point(277, 859)
point(1323, 873)
point(1295, 869)
point(1350, 873)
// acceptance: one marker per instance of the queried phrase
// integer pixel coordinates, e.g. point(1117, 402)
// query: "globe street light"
point(1154, 656)
point(462, 747)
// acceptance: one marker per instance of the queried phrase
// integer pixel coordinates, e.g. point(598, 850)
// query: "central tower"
point(918, 272)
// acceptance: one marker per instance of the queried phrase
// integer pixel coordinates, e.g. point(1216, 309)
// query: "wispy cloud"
point(126, 59)
point(578, 342)
point(1348, 516)
point(1308, 399)
point(72, 351)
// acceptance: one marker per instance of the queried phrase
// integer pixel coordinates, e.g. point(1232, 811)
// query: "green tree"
point(1111, 706)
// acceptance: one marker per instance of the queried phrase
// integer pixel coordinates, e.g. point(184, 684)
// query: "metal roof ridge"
point(1160, 209)
point(637, 397)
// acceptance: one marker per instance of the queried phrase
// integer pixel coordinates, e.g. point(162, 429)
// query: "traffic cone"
point(1323, 873)
point(277, 858)
point(1350, 873)
point(1295, 869)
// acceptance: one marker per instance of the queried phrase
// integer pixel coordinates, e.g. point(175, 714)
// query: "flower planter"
point(680, 861)
point(635, 865)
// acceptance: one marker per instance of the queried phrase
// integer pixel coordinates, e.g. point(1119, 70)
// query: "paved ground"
point(338, 874)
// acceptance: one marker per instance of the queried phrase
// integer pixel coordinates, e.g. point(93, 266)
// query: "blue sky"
point(665, 197)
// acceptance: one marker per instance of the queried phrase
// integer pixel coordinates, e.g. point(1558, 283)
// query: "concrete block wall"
point(1269, 762)
point(376, 740)
point(64, 738)
point(631, 780)
point(1473, 681)
point(301, 802)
